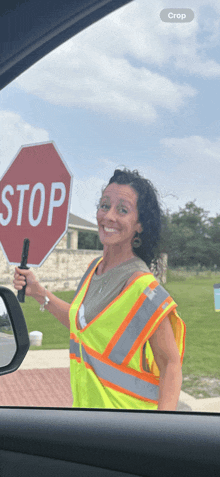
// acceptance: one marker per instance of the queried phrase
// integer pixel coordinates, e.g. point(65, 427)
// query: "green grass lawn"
point(195, 299)
point(55, 335)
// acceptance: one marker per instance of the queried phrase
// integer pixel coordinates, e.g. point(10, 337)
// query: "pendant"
point(103, 285)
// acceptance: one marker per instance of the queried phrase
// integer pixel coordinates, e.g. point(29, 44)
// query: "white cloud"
point(194, 170)
point(188, 169)
point(112, 86)
point(121, 64)
point(87, 189)
point(196, 150)
point(14, 133)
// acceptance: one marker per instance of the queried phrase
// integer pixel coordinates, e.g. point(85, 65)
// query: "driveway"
point(36, 387)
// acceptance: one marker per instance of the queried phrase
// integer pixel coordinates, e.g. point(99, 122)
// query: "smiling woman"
point(126, 339)
point(117, 221)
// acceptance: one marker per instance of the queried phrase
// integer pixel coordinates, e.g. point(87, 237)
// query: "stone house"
point(76, 225)
point(65, 265)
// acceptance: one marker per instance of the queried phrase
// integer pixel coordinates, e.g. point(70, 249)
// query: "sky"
point(129, 91)
point(2, 307)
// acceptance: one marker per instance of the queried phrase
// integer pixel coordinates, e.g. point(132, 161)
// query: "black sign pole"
point(24, 257)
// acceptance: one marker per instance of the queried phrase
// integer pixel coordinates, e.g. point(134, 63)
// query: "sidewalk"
point(52, 360)
point(46, 359)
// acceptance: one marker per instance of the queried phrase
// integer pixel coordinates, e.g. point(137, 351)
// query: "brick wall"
point(62, 270)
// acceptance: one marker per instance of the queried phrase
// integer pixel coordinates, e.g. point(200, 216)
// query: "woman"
point(126, 339)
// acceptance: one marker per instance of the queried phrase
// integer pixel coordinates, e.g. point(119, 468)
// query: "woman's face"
point(117, 215)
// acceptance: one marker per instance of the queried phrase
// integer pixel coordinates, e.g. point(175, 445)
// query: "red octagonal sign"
point(35, 193)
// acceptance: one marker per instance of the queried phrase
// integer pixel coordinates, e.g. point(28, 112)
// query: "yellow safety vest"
point(106, 364)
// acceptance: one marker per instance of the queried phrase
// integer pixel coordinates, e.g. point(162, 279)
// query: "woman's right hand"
point(24, 277)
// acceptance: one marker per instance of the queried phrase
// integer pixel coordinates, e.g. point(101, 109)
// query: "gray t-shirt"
point(106, 287)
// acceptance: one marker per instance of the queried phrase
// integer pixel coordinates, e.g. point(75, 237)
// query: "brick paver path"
point(36, 387)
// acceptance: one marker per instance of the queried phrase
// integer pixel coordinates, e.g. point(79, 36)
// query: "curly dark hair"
point(149, 212)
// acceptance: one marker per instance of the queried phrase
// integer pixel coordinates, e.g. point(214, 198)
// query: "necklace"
point(103, 285)
point(105, 281)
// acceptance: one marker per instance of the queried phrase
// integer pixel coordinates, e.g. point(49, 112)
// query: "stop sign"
point(35, 193)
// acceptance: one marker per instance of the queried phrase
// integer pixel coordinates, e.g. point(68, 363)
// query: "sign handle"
point(24, 257)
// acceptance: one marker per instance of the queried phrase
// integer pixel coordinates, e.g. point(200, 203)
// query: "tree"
point(190, 237)
point(4, 321)
point(192, 217)
point(214, 245)
point(89, 241)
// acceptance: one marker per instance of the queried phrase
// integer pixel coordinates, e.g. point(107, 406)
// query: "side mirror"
point(14, 339)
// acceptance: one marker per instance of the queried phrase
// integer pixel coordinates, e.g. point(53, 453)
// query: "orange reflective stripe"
point(116, 387)
point(154, 322)
point(112, 302)
point(179, 330)
point(129, 380)
point(152, 301)
point(130, 315)
point(124, 391)
point(74, 348)
point(124, 325)
point(74, 337)
point(120, 367)
point(73, 356)
point(153, 284)
point(148, 330)
point(182, 326)
point(88, 279)
point(87, 276)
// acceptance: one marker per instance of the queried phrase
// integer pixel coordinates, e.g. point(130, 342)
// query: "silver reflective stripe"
point(149, 293)
point(137, 324)
point(119, 378)
point(94, 262)
point(74, 348)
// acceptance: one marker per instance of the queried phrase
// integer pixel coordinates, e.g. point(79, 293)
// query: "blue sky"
point(130, 91)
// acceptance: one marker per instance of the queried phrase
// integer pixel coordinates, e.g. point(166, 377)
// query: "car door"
point(111, 82)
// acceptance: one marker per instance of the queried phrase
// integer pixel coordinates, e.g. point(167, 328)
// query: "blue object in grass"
point(217, 296)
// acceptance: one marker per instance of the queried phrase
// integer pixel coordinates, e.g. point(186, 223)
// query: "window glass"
point(138, 89)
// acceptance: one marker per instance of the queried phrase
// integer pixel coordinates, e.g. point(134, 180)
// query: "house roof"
point(81, 224)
